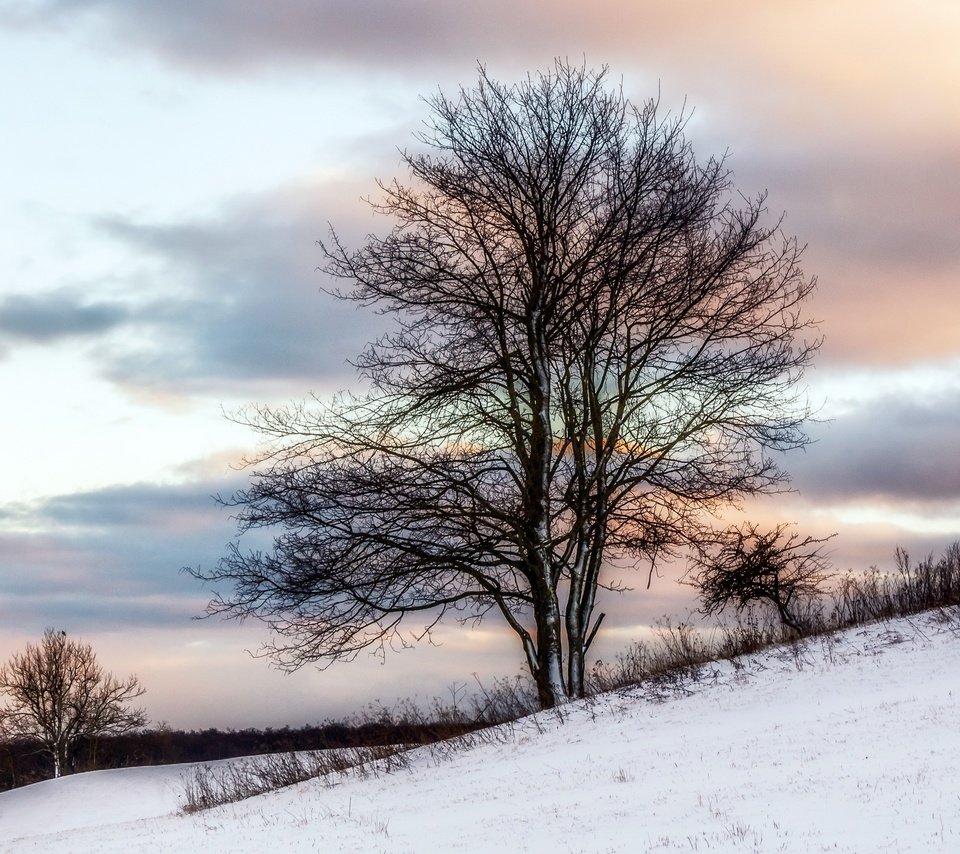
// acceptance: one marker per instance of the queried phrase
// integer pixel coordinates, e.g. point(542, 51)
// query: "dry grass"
point(675, 657)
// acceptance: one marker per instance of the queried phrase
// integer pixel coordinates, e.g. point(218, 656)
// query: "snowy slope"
point(852, 747)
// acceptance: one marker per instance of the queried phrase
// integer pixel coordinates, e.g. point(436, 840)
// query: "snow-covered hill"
point(854, 746)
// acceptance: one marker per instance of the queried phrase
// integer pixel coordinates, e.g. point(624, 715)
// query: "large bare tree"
point(597, 343)
point(57, 693)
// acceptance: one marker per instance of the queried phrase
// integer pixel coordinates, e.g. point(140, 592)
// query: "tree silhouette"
point(57, 694)
point(754, 566)
point(596, 343)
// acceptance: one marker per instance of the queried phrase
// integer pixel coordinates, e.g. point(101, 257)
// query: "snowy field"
point(853, 746)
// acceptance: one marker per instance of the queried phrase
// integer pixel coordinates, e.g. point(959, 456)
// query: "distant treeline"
point(21, 763)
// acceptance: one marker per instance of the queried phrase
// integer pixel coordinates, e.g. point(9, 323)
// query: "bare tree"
point(596, 344)
point(751, 566)
point(56, 693)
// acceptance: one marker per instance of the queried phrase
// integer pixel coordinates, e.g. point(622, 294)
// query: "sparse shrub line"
point(444, 728)
point(214, 785)
point(676, 657)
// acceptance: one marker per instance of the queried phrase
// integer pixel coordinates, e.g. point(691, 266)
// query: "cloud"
point(50, 317)
point(250, 311)
point(228, 36)
point(839, 113)
point(878, 226)
point(896, 450)
point(230, 300)
point(886, 62)
point(163, 509)
point(111, 558)
point(884, 211)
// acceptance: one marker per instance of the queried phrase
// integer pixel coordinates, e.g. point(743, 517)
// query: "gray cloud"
point(902, 452)
point(54, 316)
point(111, 558)
point(227, 36)
point(233, 300)
point(839, 115)
point(878, 210)
point(880, 233)
point(163, 509)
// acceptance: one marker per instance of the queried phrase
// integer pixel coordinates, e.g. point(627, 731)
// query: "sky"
point(167, 167)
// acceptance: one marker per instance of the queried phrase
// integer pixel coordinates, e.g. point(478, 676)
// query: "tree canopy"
point(747, 566)
point(57, 693)
point(597, 344)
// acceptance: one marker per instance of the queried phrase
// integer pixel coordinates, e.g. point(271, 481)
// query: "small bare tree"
point(748, 565)
point(57, 694)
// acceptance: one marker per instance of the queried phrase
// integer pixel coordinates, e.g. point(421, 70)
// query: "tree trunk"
point(787, 618)
point(575, 656)
point(580, 605)
point(548, 674)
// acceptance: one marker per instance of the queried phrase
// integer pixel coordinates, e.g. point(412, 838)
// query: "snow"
point(852, 745)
